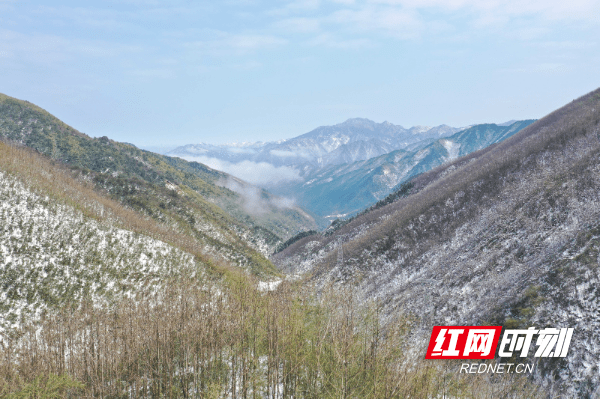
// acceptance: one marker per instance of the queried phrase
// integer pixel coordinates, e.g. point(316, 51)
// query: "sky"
point(168, 73)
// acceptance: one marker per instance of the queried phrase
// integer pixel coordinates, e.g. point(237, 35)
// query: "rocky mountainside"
point(209, 205)
point(338, 191)
point(358, 139)
point(508, 235)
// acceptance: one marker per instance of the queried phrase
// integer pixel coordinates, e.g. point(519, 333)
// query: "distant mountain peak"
point(358, 122)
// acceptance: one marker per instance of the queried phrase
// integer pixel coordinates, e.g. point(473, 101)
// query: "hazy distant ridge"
point(353, 140)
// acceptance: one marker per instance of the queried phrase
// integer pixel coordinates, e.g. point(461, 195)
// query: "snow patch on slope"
point(452, 148)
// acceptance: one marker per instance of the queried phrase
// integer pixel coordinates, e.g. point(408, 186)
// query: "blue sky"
point(176, 72)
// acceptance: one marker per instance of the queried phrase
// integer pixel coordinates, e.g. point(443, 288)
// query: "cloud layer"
point(258, 173)
point(253, 200)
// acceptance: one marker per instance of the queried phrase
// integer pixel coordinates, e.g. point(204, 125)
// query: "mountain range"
point(124, 272)
point(337, 171)
point(508, 235)
point(339, 191)
point(354, 140)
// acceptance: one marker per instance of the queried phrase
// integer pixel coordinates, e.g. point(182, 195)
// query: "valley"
point(126, 273)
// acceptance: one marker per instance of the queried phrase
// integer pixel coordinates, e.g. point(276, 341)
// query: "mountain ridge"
point(507, 235)
point(322, 145)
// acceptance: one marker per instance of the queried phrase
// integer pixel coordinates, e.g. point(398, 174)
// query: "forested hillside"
point(171, 190)
point(509, 235)
point(100, 301)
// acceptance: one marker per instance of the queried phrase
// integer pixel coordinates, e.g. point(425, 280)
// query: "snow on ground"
point(50, 254)
point(452, 148)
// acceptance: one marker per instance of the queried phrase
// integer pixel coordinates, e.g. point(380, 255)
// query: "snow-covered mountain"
point(354, 140)
point(340, 190)
point(359, 139)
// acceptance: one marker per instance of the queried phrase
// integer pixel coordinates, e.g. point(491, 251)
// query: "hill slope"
point(62, 244)
point(171, 190)
point(509, 235)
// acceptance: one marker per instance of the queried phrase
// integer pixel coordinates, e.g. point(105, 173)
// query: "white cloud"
point(398, 22)
point(412, 19)
point(304, 4)
point(253, 199)
point(295, 6)
point(549, 9)
point(53, 49)
point(298, 25)
point(223, 43)
point(241, 150)
point(259, 173)
point(289, 154)
point(252, 42)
